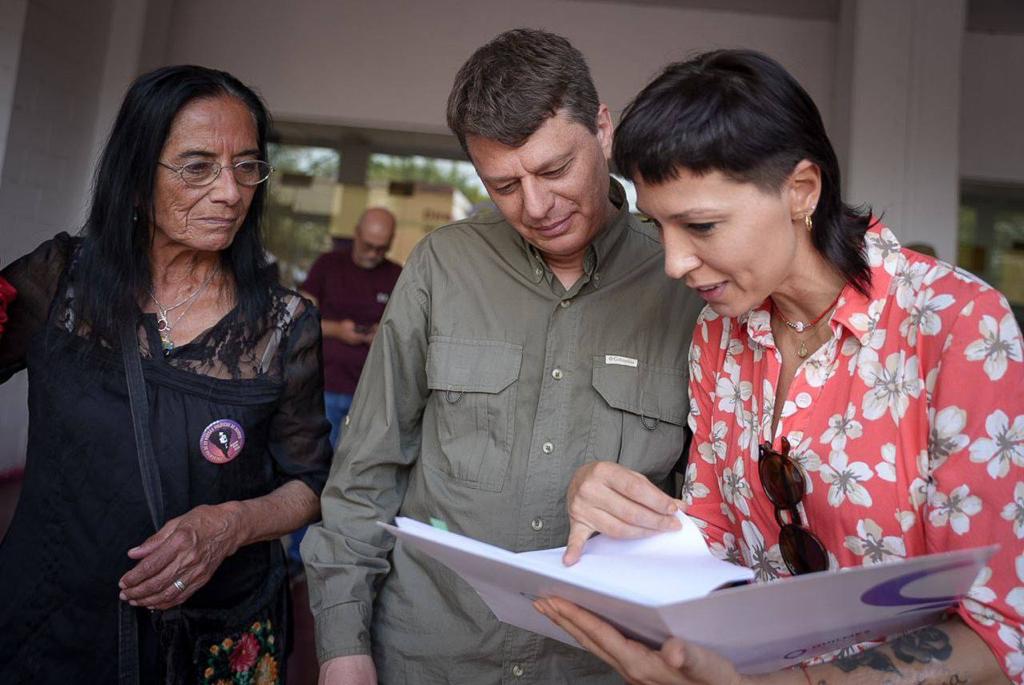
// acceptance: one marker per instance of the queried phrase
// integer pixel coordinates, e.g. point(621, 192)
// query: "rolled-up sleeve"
point(346, 555)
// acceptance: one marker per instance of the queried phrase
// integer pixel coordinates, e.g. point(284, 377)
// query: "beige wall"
point(390, 63)
point(992, 108)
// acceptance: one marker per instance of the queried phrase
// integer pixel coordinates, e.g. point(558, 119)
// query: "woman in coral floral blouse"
point(887, 381)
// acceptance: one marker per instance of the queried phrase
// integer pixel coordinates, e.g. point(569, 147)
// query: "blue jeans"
point(336, 406)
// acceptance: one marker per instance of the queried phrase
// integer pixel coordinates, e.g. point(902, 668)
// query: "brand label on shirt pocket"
point(639, 416)
point(616, 360)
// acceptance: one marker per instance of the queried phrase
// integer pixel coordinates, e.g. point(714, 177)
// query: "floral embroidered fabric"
point(247, 658)
point(909, 423)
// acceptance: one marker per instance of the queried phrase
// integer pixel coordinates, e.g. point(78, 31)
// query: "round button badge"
point(221, 441)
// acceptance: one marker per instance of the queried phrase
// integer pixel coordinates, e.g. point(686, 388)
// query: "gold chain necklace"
point(800, 327)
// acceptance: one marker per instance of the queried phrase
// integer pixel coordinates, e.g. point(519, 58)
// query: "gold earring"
point(808, 222)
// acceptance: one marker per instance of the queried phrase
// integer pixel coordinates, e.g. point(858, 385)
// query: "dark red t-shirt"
point(346, 291)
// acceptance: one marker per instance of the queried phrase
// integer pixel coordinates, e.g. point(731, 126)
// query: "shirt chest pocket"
point(473, 384)
point(639, 418)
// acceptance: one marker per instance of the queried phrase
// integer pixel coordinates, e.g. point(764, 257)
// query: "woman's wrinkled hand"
point(187, 550)
point(676, 663)
point(605, 497)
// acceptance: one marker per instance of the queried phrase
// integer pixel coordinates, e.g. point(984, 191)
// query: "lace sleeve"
point(35, 277)
point(299, 431)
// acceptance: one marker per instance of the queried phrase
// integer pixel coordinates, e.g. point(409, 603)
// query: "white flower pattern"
point(1014, 511)
point(842, 427)
point(1003, 446)
point(874, 546)
point(692, 489)
point(999, 344)
point(916, 409)
point(765, 560)
point(946, 436)
point(845, 480)
point(956, 508)
point(890, 387)
point(886, 469)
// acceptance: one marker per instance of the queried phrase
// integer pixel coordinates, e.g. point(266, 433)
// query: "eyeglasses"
point(785, 485)
point(250, 172)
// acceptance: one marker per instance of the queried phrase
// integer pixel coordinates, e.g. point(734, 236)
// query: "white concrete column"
point(125, 41)
point(12, 26)
point(898, 112)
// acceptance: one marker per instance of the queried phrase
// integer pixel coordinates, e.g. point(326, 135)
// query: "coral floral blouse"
point(908, 422)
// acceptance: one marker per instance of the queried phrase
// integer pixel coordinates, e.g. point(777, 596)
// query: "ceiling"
point(983, 16)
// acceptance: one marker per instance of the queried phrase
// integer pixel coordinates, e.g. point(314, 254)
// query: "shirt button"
point(538, 271)
point(537, 523)
point(547, 448)
point(557, 374)
point(518, 671)
point(564, 303)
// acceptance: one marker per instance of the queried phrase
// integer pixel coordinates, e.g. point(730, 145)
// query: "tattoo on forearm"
point(921, 646)
point(955, 679)
point(924, 646)
point(874, 659)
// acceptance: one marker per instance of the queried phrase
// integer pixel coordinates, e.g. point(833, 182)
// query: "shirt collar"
point(860, 314)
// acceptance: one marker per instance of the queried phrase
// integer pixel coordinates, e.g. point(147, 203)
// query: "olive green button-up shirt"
point(487, 385)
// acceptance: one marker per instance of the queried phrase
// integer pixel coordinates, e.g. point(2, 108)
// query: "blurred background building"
point(921, 97)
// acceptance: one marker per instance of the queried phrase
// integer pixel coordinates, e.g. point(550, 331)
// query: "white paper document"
point(667, 585)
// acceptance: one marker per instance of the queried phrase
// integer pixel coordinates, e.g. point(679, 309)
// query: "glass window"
point(991, 238)
point(300, 205)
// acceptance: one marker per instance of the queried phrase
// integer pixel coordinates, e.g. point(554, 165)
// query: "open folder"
point(668, 584)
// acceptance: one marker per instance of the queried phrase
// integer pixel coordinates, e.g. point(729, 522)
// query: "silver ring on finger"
point(180, 584)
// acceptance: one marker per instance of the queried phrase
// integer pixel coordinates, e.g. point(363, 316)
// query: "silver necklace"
point(163, 324)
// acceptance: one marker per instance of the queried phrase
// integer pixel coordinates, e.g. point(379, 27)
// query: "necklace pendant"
point(166, 343)
point(162, 324)
point(802, 352)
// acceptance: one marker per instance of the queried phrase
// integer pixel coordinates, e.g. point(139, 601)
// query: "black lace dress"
point(232, 417)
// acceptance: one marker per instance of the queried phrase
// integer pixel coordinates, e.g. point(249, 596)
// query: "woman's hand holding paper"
point(676, 663)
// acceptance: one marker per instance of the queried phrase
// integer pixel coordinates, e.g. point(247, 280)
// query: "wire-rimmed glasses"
point(248, 172)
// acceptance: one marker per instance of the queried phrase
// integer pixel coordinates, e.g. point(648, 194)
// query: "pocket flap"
point(467, 365)
point(649, 391)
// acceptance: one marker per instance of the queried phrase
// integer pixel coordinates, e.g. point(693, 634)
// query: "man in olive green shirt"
point(516, 347)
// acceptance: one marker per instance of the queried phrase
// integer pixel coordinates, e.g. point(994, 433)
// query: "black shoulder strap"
point(138, 401)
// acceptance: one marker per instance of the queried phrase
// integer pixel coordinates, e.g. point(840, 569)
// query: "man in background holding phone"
point(351, 286)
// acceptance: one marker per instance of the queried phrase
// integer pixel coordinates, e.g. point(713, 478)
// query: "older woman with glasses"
point(176, 425)
point(852, 402)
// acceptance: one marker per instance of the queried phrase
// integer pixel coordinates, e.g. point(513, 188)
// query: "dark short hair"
point(740, 113)
point(114, 263)
point(512, 85)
